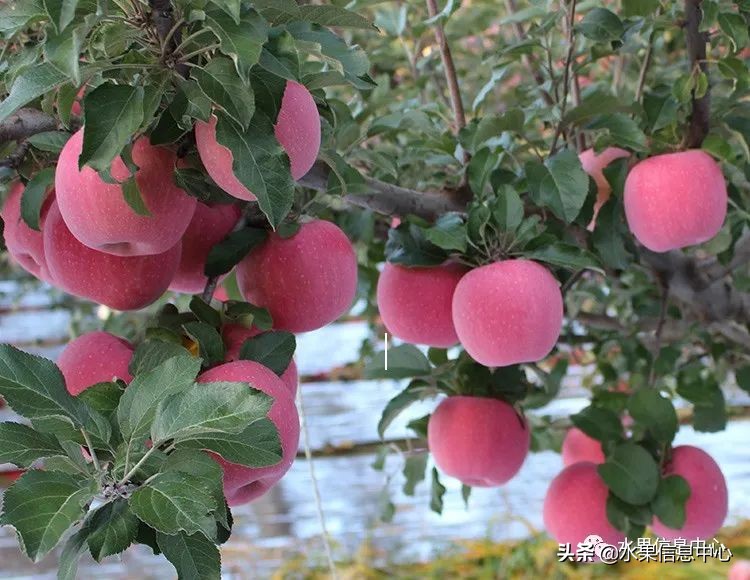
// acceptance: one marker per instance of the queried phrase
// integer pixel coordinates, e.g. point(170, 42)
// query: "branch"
point(570, 17)
point(25, 123)
point(696, 47)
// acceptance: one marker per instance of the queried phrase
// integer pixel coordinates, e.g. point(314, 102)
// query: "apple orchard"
point(510, 190)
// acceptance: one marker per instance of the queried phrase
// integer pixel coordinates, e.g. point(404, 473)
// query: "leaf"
point(34, 196)
point(623, 131)
point(415, 470)
point(602, 25)
point(260, 164)
point(631, 473)
point(111, 529)
point(492, 127)
point(481, 166)
point(743, 378)
point(231, 7)
point(31, 84)
point(200, 465)
point(560, 184)
point(404, 361)
point(112, 114)
point(273, 349)
point(132, 195)
point(231, 250)
point(221, 83)
point(205, 312)
point(599, 423)
point(712, 417)
point(23, 446)
point(639, 7)
point(174, 502)
point(104, 397)
point(408, 245)
point(565, 256)
point(654, 412)
point(208, 408)
point(334, 16)
point(63, 51)
point(138, 404)
point(49, 141)
point(278, 11)
point(248, 315)
point(735, 27)
point(415, 391)
point(57, 501)
point(257, 446)
point(151, 353)
point(242, 41)
point(210, 344)
point(671, 498)
point(448, 232)
point(67, 566)
point(437, 493)
point(16, 15)
point(193, 556)
point(507, 210)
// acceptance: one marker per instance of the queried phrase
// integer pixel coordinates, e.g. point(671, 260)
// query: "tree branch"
point(24, 124)
point(570, 17)
point(699, 124)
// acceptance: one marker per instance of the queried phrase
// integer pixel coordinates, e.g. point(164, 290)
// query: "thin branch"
point(644, 69)
point(92, 452)
point(566, 74)
point(25, 123)
point(699, 124)
point(664, 285)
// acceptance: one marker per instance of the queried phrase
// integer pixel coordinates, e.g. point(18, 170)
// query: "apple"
point(305, 281)
point(209, 226)
point(508, 312)
point(740, 570)
point(594, 165)
point(297, 129)
point(478, 440)
point(415, 303)
point(244, 484)
point(120, 282)
point(675, 200)
point(25, 246)
point(95, 357)
point(235, 335)
point(575, 507)
point(577, 446)
point(97, 214)
point(707, 506)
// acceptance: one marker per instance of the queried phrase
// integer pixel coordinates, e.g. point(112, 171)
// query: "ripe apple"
point(97, 214)
point(575, 507)
point(594, 165)
point(25, 245)
point(675, 200)
point(120, 282)
point(244, 484)
point(577, 446)
point(235, 335)
point(305, 281)
point(508, 312)
point(209, 226)
point(478, 440)
point(297, 129)
point(707, 506)
point(95, 357)
point(415, 303)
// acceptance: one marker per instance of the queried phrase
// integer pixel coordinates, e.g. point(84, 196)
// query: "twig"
point(664, 285)
point(571, 281)
point(566, 74)
point(25, 123)
point(137, 466)
point(644, 69)
point(699, 124)
point(92, 452)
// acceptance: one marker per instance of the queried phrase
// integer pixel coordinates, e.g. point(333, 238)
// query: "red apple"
point(575, 507)
point(244, 484)
point(508, 312)
point(120, 282)
point(305, 281)
point(97, 214)
point(95, 357)
point(209, 226)
point(297, 129)
point(480, 441)
point(235, 335)
point(577, 447)
point(707, 506)
point(594, 165)
point(25, 245)
point(675, 200)
point(415, 303)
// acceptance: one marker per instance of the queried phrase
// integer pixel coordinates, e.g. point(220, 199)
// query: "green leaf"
point(194, 556)
point(257, 446)
point(408, 245)
point(481, 166)
point(743, 378)
point(415, 470)
point(31, 84)
point(112, 114)
point(210, 344)
point(507, 210)
point(231, 250)
point(205, 312)
point(404, 361)
point(735, 27)
point(415, 391)
point(448, 232)
point(63, 51)
point(243, 41)
point(104, 397)
point(22, 446)
point(34, 196)
point(492, 127)
point(49, 141)
point(334, 16)
point(200, 465)
point(58, 501)
point(631, 473)
point(260, 164)
point(670, 500)
point(602, 25)
point(67, 566)
point(151, 353)
point(204, 409)
point(437, 493)
point(639, 7)
point(132, 194)
point(174, 502)
point(139, 402)
point(560, 184)
point(231, 7)
point(654, 412)
point(712, 417)
point(599, 423)
point(273, 349)
point(278, 11)
point(221, 83)
point(565, 256)
point(111, 529)
point(623, 131)
point(248, 315)
point(16, 15)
